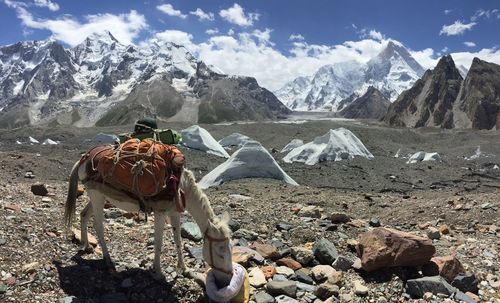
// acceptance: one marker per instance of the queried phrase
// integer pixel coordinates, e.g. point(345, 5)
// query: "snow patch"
point(49, 142)
point(199, 138)
point(476, 155)
point(32, 140)
point(397, 153)
point(250, 161)
point(335, 145)
point(291, 145)
point(423, 156)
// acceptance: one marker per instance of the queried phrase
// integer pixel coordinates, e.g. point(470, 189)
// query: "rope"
point(225, 294)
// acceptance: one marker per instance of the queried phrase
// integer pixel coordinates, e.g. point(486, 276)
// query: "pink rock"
point(386, 247)
point(447, 267)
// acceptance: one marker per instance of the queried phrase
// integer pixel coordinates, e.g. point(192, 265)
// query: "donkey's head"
point(217, 249)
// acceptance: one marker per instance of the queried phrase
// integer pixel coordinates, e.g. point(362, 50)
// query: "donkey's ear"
point(225, 217)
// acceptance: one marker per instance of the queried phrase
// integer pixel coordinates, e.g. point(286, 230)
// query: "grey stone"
point(3, 288)
point(283, 226)
point(70, 299)
point(324, 251)
point(196, 252)
point(466, 282)
point(278, 277)
point(374, 222)
point(246, 234)
point(285, 299)
point(233, 225)
point(263, 297)
point(327, 290)
point(306, 287)
point(191, 231)
point(276, 288)
point(416, 288)
point(342, 263)
point(3, 241)
point(113, 214)
point(303, 275)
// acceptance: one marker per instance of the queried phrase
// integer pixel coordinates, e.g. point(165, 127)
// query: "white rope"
point(225, 294)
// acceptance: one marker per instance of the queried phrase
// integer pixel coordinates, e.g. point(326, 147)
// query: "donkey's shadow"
point(90, 281)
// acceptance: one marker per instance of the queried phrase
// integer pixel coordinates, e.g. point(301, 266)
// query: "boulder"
point(321, 272)
point(39, 189)
point(386, 247)
point(263, 297)
point(191, 231)
point(256, 278)
point(447, 267)
point(268, 251)
point(289, 262)
point(466, 282)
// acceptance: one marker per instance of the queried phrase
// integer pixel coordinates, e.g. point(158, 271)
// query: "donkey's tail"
point(70, 207)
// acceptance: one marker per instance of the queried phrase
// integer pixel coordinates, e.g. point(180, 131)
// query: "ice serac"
point(250, 161)
point(102, 81)
point(334, 86)
point(196, 137)
point(372, 105)
point(336, 145)
point(478, 104)
point(430, 101)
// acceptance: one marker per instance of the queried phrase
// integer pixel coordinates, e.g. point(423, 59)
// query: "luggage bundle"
point(143, 168)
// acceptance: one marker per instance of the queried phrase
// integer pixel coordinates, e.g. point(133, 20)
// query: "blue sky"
point(275, 41)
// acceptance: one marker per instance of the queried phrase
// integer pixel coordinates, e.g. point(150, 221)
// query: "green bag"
point(166, 136)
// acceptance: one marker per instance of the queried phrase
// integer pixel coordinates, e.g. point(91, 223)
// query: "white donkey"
point(216, 244)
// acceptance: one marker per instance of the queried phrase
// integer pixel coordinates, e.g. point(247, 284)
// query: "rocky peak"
point(480, 96)
point(371, 105)
point(430, 101)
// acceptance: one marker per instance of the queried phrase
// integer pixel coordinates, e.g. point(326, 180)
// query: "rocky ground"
point(455, 202)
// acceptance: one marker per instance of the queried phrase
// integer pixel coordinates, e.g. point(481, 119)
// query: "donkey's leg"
point(84, 220)
point(159, 226)
point(97, 199)
point(176, 229)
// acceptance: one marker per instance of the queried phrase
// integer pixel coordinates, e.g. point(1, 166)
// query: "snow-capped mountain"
point(391, 72)
point(106, 82)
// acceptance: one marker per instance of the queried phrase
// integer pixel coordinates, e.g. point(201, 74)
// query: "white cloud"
point(125, 27)
point(425, 57)
point(376, 35)
point(236, 15)
point(447, 11)
point(456, 28)
point(486, 54)
point(212, 31)
point(481, 13)
point(177, 37)
point(169, 10)
point(253, 54)
point(202, 15)
point(48, 4)
point(371, 33)
point(469, 44)
point(296, 37)
point(230, 32)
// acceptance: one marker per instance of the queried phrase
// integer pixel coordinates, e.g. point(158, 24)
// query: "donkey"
point(216, 233)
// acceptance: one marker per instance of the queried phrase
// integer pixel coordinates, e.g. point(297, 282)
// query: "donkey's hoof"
point(158, 275)
point(88, 249)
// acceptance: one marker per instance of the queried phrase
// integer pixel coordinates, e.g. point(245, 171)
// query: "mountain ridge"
point(103, 81)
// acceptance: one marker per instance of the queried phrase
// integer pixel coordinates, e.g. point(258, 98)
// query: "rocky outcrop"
point(372, 105)
point(430, 101)
point(386, 247)
point(479, 97)
point(442, 99)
